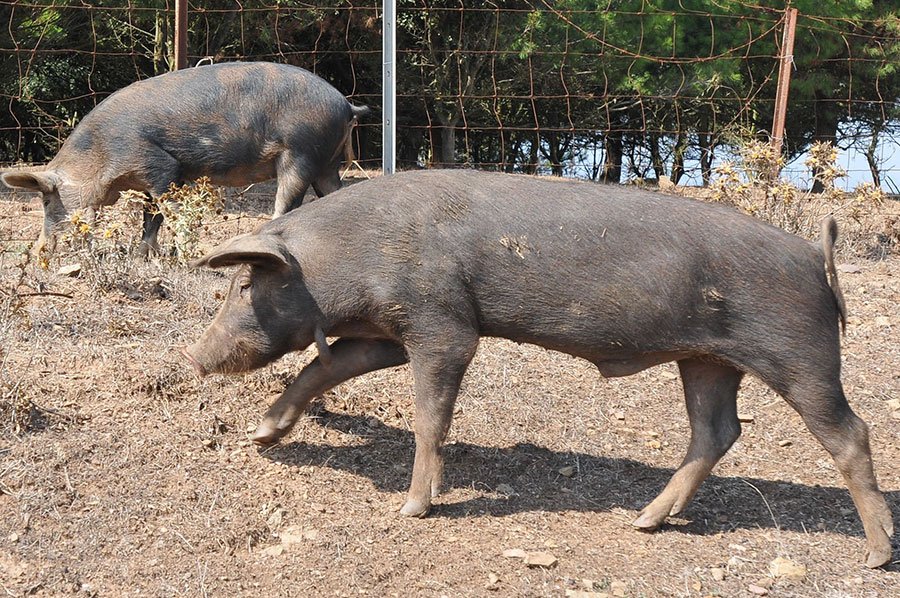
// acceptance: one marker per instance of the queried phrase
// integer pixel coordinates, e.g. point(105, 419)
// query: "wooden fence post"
point(181, 11)
point(784, 79)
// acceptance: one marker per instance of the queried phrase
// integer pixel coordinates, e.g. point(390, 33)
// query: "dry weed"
point(866, 228)
point(184, 209)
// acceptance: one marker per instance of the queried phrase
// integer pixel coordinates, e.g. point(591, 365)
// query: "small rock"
point(276, 518)
point(567, 471)
point(514, 553)
point(291, 535)
point(668, 375)
point(785, 443)
point(493, 582)
point(505, 489)
point(848, 268)
point(618, 588)
point(882, 321)
point(894, 404)
point(717, 573)
point(787, 569)
point(13, 537)
point(585, 594)
point(274, 550)
point(620, 415)
point(70, 270)
point(745, 418)
point(540, 559)
point(758, 590)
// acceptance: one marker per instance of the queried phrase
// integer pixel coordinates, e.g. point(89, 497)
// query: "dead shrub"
point(866, 228)
point(102, 246)
point(184, 209)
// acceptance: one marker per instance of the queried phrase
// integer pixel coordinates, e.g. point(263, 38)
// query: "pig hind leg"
point(826, 413)
point(293, 180)
point(328, 182)
point(710, 392)
point(438, 373)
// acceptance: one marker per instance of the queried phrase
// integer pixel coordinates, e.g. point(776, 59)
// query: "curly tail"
point(829, 234)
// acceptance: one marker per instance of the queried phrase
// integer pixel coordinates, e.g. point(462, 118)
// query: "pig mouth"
point(201, 371)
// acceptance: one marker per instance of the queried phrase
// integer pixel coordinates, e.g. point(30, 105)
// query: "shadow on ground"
point(526, 477)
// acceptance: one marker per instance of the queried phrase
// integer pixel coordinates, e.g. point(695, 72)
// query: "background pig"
point(416, 267)
point(237, 123)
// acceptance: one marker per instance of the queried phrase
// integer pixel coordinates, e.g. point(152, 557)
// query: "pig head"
point(270, 311)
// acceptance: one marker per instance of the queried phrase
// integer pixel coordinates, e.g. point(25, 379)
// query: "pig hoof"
point(265, 435)
point(646, 522)
point(878, 557)
point(415, 508)
point(878, 551)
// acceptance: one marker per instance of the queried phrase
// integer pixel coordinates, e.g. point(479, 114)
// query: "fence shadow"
point(526, 478)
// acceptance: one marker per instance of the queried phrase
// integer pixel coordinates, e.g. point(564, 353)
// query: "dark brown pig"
point(236, 123)
point(416, 267)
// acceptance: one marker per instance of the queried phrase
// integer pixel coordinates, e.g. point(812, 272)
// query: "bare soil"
point(121, 474)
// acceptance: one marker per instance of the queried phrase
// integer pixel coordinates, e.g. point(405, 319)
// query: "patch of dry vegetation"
point(868, 226)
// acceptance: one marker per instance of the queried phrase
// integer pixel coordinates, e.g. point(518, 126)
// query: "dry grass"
point(130, 476)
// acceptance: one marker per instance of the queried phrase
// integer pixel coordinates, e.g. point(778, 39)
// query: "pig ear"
point(264, 251)
point(41, 182)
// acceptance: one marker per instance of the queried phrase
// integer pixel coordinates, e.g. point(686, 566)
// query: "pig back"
point(593, 270)
point(214, 118)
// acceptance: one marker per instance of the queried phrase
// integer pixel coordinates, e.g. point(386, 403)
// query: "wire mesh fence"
point(602, 90)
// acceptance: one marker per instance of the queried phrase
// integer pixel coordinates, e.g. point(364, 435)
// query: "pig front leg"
point(349, 358)
point(152, 222)
point(165, 170)
point(438, 372)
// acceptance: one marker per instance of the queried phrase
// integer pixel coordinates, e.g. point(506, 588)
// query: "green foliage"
point(534, 84)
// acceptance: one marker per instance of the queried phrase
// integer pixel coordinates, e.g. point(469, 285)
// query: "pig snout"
point(201, 371)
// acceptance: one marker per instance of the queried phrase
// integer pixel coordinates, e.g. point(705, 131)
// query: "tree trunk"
point(445, 152)
point(613, 146)
point(532, 164)
point(704, 141)
point(659, 168)
point(448, 145)
point(678, 159)
point(871, 159)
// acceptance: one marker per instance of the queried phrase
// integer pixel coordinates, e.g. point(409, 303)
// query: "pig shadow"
point(527, 478)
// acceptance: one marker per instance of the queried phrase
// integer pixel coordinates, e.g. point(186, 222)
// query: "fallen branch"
point(46, 294)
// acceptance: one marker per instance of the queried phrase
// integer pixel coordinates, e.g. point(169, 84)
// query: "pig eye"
point(243, 286)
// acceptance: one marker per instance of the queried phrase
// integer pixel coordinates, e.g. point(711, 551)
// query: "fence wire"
point(602, 90)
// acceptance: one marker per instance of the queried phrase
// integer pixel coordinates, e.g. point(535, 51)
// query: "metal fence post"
point(389, 86)
point(784, 79)
point(181, 11)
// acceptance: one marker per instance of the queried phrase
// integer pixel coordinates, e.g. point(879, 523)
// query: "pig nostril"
point(201, 371)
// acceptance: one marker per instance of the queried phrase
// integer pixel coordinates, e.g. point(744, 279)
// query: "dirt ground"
point(122, 474)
